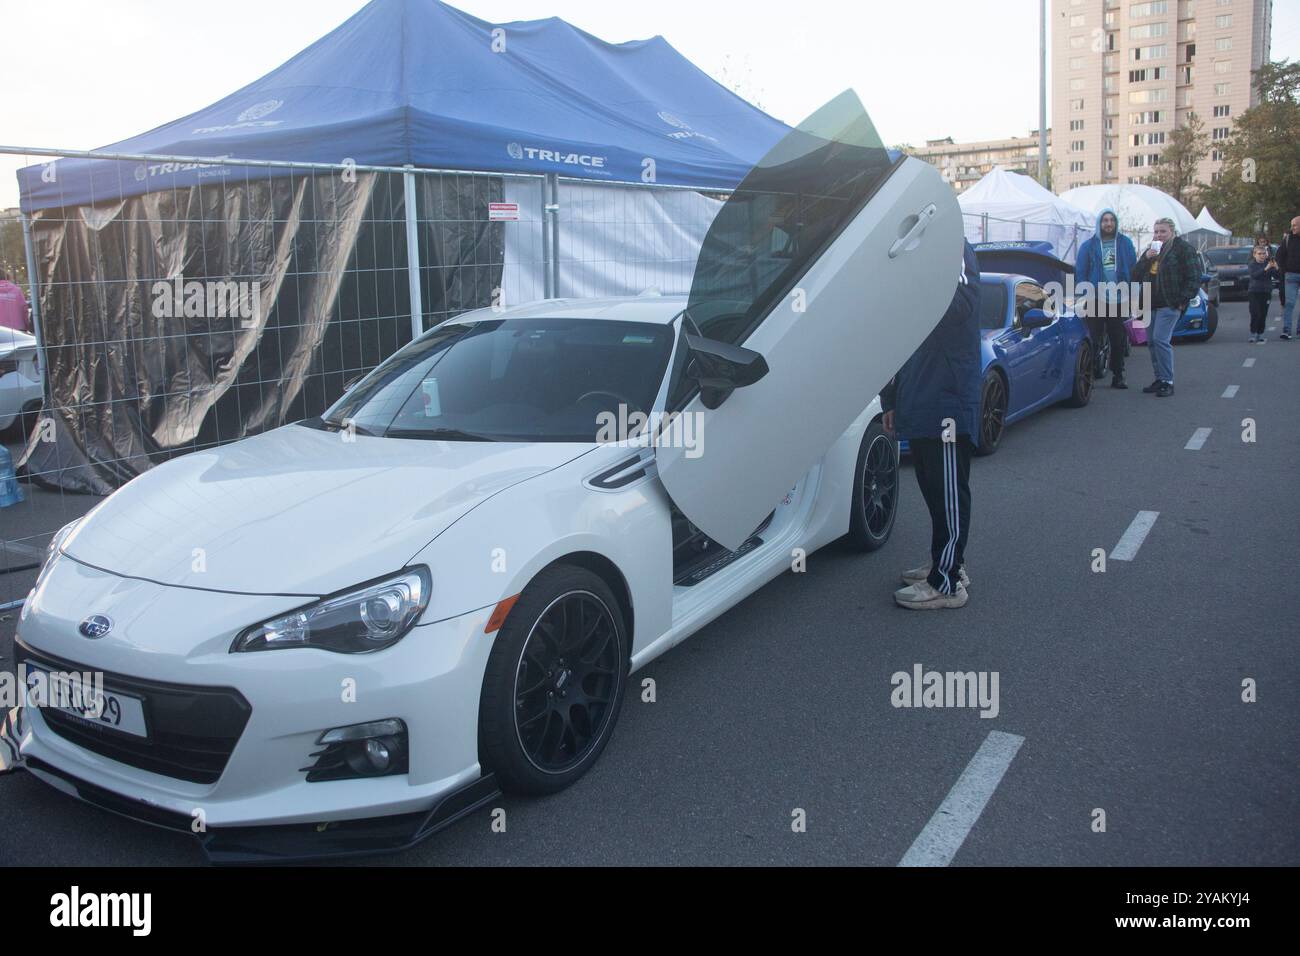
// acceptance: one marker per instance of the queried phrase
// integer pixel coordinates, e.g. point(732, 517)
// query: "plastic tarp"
point(1138, 207)
point(310, 286)
point(1005, 206)
point(613, 240)
point(420, 82)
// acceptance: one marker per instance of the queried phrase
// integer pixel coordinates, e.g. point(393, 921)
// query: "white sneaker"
point(916, 575)
point(922, 597)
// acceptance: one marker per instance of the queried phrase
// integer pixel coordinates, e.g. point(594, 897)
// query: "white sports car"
point(343, 634)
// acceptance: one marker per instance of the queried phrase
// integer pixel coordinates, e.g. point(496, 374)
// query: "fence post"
point(554, 210)
point(543, 187)
point(34, 290)
point(413, 253)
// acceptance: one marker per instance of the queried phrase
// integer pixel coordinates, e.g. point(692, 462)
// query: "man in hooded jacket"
point(1106, 261)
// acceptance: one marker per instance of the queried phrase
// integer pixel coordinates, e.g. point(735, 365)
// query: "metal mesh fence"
point(194, 303)
point(210, 308)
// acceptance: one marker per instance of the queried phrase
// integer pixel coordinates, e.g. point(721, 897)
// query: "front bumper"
point(259, 804)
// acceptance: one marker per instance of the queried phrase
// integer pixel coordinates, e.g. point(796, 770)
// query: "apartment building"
point(963, 164)
point(1126, 73)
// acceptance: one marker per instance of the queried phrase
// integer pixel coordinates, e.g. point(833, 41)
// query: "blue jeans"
point(1292, 281)
point(1160, 340)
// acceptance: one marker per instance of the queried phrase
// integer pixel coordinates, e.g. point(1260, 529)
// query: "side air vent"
point(622, 474)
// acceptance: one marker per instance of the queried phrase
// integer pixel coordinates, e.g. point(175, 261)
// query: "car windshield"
point(1229, 257)
point(530, 380)
point(789, 207)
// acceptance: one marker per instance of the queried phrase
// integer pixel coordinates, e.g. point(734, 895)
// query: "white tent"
point(1006, 206)
point(1206, 221)
point(1137, 206)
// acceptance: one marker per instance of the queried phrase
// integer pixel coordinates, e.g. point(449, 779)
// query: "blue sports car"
point(1032, 359)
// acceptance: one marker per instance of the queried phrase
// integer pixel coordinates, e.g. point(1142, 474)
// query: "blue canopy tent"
point(323, 244)
point(419, 82)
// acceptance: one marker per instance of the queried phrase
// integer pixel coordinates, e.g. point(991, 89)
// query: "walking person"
point(934, 403)
point(1106, 261)
point(1263, 269)
point(1288, 267)
point(1173, 274)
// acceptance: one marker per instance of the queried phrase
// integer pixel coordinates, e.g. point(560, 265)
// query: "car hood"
point(298, 510)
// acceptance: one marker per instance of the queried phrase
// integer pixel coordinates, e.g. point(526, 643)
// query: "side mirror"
point(1205, 277)
point(1035, 319)
point(721, 368)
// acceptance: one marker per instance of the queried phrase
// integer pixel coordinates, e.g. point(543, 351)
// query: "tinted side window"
point(993, 305)
point(1029, 296)
point(783, 215)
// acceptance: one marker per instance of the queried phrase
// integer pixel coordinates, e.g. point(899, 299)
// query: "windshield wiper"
point(438, 434)
point(329, 425)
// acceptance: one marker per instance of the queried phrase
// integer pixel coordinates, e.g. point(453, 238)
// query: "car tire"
point(1081, 391)
point(554, 682)
point(1101, 358)
point(1211, 321)
point(875, 491)
point(993, 414)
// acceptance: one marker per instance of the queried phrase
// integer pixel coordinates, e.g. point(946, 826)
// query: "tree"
point(13, 259)
point(1258, 189)
point(1176, 174)
point(738, 76)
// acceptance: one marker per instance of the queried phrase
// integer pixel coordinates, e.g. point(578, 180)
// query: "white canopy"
point(1006, 206)
point(1137, 206)
point(1206, 221)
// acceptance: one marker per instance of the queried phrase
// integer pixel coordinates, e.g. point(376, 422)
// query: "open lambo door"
point(820, 276)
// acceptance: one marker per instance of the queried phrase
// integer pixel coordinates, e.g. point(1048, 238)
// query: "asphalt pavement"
point(773, 740)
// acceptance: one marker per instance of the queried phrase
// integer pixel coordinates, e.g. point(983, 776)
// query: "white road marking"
point(1231, 391)
point(947, 830)
point(1131, 540)
point(1249, 363)
point(1197, 441)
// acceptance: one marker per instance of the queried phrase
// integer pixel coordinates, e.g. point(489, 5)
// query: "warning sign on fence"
point(503, 212)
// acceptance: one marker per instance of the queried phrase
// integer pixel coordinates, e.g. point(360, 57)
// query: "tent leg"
point(413, 254)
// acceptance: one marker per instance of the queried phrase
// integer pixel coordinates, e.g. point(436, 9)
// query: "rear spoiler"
point(1032, 259)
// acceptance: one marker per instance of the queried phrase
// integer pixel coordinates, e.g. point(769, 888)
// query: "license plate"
point(102, 708)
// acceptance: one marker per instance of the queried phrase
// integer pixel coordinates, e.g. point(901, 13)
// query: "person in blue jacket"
point(1106, 262)
point(934, 402)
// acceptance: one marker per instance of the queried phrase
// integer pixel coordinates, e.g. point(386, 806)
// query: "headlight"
point(368, 618)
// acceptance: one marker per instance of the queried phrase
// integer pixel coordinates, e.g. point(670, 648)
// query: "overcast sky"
point(78, 74)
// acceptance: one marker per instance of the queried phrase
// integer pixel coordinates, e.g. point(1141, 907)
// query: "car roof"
point(647, 307)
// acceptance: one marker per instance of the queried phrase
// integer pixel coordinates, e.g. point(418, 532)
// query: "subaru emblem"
point(96, 626)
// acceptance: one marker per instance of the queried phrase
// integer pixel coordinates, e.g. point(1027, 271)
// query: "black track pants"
point(943, 472)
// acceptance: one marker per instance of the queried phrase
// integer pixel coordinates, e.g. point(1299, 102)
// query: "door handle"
point(910, 239)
